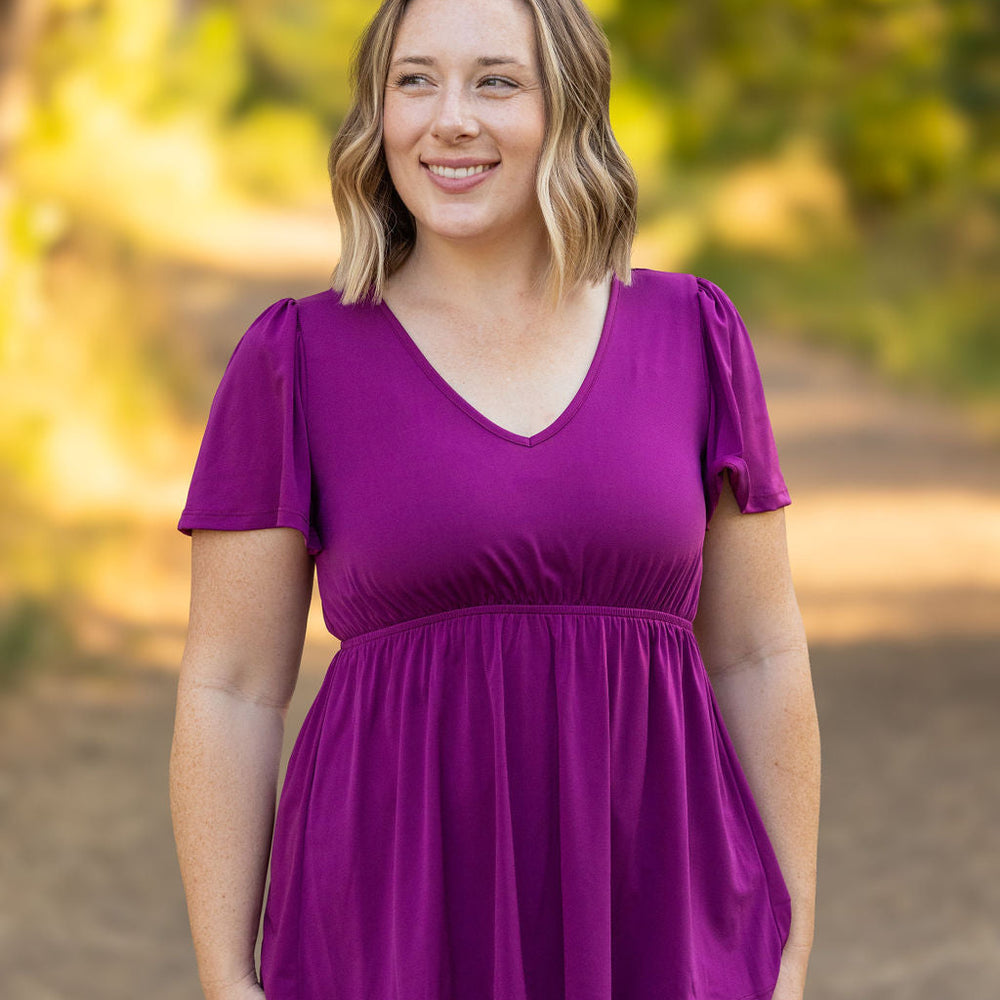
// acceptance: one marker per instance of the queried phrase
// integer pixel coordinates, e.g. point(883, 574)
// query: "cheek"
point(528, 131)
point(395, 144)
point(531, 147)
point(398, 127)
point(402, 177)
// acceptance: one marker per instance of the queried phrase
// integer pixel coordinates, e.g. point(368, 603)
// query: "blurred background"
point(833, 164)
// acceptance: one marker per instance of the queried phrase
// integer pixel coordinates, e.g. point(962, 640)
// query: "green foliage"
point(901, 91)
point(896, 147)
point(301, 51)
point(206, 64)
point(276, 153)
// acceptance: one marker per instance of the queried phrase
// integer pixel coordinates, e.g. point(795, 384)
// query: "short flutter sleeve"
point(740, 438)
point(253, 468)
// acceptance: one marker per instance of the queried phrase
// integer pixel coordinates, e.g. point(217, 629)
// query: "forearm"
point(223, 776)
point(770, 713)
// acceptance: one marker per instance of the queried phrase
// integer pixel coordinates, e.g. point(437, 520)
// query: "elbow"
point(783, 647)
point(240, 675)
point(245, 693)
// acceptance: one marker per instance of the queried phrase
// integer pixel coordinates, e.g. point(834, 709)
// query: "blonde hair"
point(586, 187)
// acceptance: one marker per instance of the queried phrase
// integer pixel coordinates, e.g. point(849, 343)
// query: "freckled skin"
point(753, 643)
point(250, 595)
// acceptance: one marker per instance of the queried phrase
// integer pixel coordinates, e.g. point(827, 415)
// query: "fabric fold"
point(740, 439)
point(522, 878)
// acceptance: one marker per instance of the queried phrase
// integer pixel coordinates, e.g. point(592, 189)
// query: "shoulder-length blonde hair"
point(586, 186)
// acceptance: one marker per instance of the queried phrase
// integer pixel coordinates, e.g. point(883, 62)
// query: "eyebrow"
point(481, 61)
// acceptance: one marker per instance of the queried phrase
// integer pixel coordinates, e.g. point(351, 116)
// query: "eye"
point(411, 80)
point(497, 83)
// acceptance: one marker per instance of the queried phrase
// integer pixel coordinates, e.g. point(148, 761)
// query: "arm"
point(250, 594)
point(753, 643)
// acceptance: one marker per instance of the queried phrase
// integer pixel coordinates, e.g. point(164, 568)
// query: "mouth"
point(460, 172)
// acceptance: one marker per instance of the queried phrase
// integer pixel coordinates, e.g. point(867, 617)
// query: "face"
point(464, 119)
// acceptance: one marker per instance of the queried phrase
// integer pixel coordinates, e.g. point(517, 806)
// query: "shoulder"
point(270, 336)
point(695, 311)
point(688, 301)
point(680, 290)
point(651, 284)
point(291, 325)
point(327, 305)
point(323, 317)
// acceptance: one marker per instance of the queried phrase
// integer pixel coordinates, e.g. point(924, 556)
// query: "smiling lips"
point(459, 176)
point(442, 171)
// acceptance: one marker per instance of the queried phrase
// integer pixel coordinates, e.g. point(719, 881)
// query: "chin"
point(458, 230)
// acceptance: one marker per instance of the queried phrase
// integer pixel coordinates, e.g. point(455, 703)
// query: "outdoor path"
point(894, 533)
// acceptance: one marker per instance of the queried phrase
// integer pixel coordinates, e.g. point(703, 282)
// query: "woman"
point(500, 450)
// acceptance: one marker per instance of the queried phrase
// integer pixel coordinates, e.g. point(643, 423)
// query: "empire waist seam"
point(523, 609)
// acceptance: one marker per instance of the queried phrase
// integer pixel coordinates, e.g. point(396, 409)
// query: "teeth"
point(458, 171)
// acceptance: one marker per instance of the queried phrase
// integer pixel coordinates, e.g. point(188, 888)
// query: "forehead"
point(466, 28)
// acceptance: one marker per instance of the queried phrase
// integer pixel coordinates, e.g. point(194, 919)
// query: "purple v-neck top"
point(515, 782)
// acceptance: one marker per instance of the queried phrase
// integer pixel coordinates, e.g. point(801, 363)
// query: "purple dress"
point(515, 782)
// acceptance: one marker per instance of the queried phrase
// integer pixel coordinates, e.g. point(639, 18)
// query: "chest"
point(426, 502)
point(519, 373)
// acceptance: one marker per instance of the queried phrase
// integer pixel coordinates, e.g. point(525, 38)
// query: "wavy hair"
point(585, 184)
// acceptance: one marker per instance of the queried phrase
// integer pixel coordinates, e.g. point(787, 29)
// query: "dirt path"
point(895, 539)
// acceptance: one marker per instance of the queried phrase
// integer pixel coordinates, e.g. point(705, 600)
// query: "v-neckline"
point(466, 407)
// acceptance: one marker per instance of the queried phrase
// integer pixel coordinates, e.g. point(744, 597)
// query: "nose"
point(454, 117)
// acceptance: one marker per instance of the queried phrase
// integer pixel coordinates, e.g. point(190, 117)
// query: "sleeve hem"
point(250, 521)
point(767, 501)
point(749, 499)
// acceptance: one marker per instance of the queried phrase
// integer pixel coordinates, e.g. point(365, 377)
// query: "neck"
point(487, 272)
